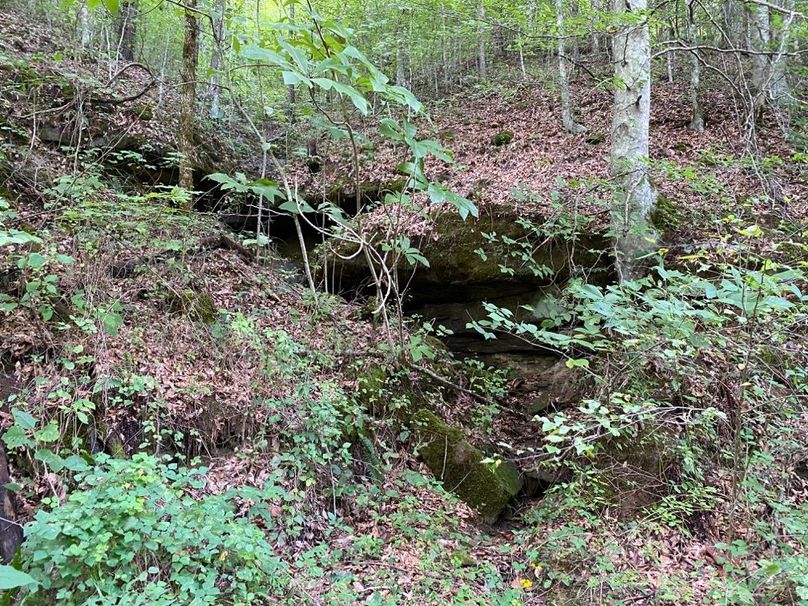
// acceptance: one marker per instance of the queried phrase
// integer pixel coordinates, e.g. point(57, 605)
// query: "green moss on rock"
point(488, 487)
point(143, 111)
point(197, 306)
point(502, 138)
point(665, 216)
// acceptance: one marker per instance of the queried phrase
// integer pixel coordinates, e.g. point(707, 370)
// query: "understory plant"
point(143, 531)
point(695, 381)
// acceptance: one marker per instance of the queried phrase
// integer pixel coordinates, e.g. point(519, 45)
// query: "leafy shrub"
point(133, 533)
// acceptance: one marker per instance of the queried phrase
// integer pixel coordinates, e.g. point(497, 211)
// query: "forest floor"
point(174, 333)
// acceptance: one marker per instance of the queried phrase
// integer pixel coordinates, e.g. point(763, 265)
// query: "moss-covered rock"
point(502, 138)
point(143, 111)
point(665, 216)
point(458, 271)
point(197, 306)
point(488, 487)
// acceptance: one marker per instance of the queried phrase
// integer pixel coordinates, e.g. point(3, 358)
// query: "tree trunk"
point(670, 57)
point(84, 15)
point(217, 57)
point(697, 117)
point(401, 74)
point(761, 40)
point(291, 96)
point(163, 63)
point(127, 32)
point(11, 536)
point(567, 119)
point(481, 62)
point(634, 196)
point(779, 90)
point(188, 97)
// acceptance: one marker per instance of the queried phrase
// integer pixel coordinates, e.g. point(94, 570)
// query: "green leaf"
point(407, 98)
point(23, 419)
point(258, 53)
point(54, 462)
point(11, 578)
point(49, 433)
point(355, 96)
point(15, 437)
point(291, 78)
point(35, 260)
point(579, 363)
point(76, 463)
point(297, 55)
point(438, 193)
point(111, 321)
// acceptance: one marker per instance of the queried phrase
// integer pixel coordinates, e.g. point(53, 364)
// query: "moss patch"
point(197, 306)
point(665, 216)
point(488, 487)
point(502, 138)
point(143, 111)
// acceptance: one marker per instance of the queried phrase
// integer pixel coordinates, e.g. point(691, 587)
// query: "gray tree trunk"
point(634, 195)
point(481, 60)
point(670, 57)
point(401, 72)
point(567, 119)
point(697, 115)
point(187, 122)
point(217, 57)
point(761, 41)
point(84, 15)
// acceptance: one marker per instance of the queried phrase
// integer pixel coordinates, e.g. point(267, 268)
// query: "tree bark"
point(481, 59)
point(187, 125)
point(761, 40)
point(217, 57)
point(697, 115)
point(634, 195)
point(567, 119)
point(291, 96)
point(671, 57)
point(84, 15)
point(127, 32)
point(401, 73)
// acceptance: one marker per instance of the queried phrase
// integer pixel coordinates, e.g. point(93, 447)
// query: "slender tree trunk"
point(291, 96)
point(761, 40)
point(522, 66)
point(481, 60)
point(670, 57)
point(188, 96)
point(779, 90)
point(217, 57)
point(161, 86)
point(401, 74)
point(128, 30)
point(733, 23)
point(444, 51)
point(697, 117)
point(567, 119)
point(634, 194)
point(84, 15)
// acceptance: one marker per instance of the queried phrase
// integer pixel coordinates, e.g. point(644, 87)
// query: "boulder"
point(458, 272)
point(463, 469)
